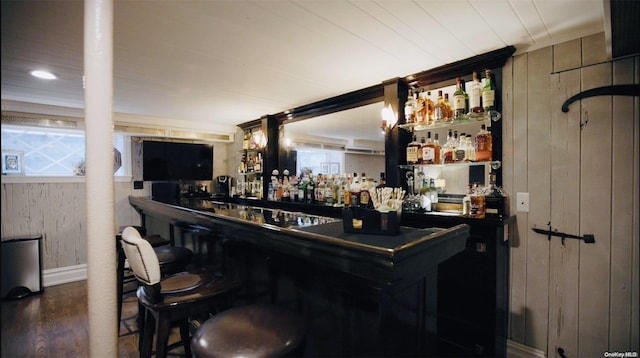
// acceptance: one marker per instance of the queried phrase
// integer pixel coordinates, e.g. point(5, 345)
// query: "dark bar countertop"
point(384, 260)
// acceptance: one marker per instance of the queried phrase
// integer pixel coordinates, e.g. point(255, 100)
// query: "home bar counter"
point(378, 294)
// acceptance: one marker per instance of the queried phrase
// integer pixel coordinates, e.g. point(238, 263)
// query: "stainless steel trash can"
point(21, 266)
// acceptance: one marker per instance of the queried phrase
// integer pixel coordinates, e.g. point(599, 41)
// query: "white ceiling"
point(229, 62)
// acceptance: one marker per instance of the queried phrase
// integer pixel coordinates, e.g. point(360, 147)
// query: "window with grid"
point(53, 152)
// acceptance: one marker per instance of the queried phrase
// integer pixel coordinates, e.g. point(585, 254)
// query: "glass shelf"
point(483, 118)
point(249, 173)
point(495, 164)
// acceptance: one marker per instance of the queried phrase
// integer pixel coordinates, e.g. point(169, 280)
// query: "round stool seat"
point(173, 258)
point(257, 330)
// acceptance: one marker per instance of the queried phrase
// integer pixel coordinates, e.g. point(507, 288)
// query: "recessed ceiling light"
point(43, 74)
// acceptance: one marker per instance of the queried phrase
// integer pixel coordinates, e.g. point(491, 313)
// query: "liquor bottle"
point(478, 205)
point(354, 191)
point(383, 181)
point(439, 111)
point(412, 151)
point(496, 199)
point(459, 147)
point(436, 150)
point(302, 190)
point(475, 96)
point(489, 92)
point(427, 150)
point(470, 151)
point(311, 191)
point(433, 192)
point(459, 101)
point(420, 109)
point(245, 140)
point(365, 194)
point(448, 110)
point(423, 144)
point(466, 202)
point(483, 145)
point(430, 107)
point(448, 149)
point(320, 189)
point(409, 114)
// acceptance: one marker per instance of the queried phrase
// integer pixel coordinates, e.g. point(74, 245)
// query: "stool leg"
point(184, 337)
point(162, 334)
point(146, 334)
point(120, 289)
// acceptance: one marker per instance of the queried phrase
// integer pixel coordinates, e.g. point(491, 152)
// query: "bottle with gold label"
point(478, 204)
point(420, 109)
point(430, 105)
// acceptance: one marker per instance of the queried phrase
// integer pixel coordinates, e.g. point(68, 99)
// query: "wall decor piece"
point(12, 162)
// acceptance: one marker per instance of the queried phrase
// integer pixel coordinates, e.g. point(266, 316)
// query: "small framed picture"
point(324, 168)
point(334, 168)
point(12, 162)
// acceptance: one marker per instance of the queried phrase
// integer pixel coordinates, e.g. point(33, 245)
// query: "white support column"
point(101, 252)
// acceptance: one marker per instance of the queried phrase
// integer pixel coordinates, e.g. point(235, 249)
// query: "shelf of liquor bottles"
point(495, 164)
point(463, 121)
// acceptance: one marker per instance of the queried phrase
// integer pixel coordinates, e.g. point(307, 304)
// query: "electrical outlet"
point(138, 184)
point(522, 202)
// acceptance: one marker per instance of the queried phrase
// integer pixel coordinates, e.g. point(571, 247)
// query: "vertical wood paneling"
point(518, 272)
point(622, 210)
point(567, 56)
point(565, 205)
point(594, 49)
point(595, 214)
point(539, 185)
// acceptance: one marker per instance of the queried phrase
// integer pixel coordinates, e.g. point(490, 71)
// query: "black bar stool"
point(255, 330)
point(172, 300)
point(172, 259)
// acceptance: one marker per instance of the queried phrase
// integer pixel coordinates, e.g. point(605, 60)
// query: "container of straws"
point(384, 219)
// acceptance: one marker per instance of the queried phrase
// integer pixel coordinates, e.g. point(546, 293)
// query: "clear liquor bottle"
point(459, 101)
point(475, 96)
point(478, 204)
point(409, 114)
point(439, 110)
point(448, 155)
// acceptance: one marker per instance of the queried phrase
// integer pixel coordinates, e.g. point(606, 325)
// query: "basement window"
point(56, 152)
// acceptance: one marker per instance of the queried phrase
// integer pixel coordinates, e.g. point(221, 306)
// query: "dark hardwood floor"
point(55, 324)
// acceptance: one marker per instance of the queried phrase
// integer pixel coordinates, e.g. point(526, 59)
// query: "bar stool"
point(255, 330)
point(172, 300)
point(172, 259)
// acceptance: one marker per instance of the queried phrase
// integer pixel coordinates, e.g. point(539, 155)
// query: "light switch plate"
point(522, 202)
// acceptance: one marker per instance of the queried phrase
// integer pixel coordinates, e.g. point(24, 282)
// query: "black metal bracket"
point(588, 238)
point(616, 90)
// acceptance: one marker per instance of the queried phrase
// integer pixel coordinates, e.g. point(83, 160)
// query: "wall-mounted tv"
point(172, 161)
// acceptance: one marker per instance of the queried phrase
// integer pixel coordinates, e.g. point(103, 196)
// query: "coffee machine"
point(223, 185)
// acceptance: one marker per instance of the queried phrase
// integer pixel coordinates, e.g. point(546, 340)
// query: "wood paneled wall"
point(581, 171)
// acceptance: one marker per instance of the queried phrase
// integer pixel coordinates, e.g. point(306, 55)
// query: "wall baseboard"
point(59, 276)
point(519, 350)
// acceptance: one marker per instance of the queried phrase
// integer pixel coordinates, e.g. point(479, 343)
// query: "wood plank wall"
point(581, 171)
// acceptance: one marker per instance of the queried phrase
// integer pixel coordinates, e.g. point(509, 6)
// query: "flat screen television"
point(171, 161)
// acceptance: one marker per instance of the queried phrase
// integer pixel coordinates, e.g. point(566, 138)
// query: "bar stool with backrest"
point(172, 259)
point(172, 300)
